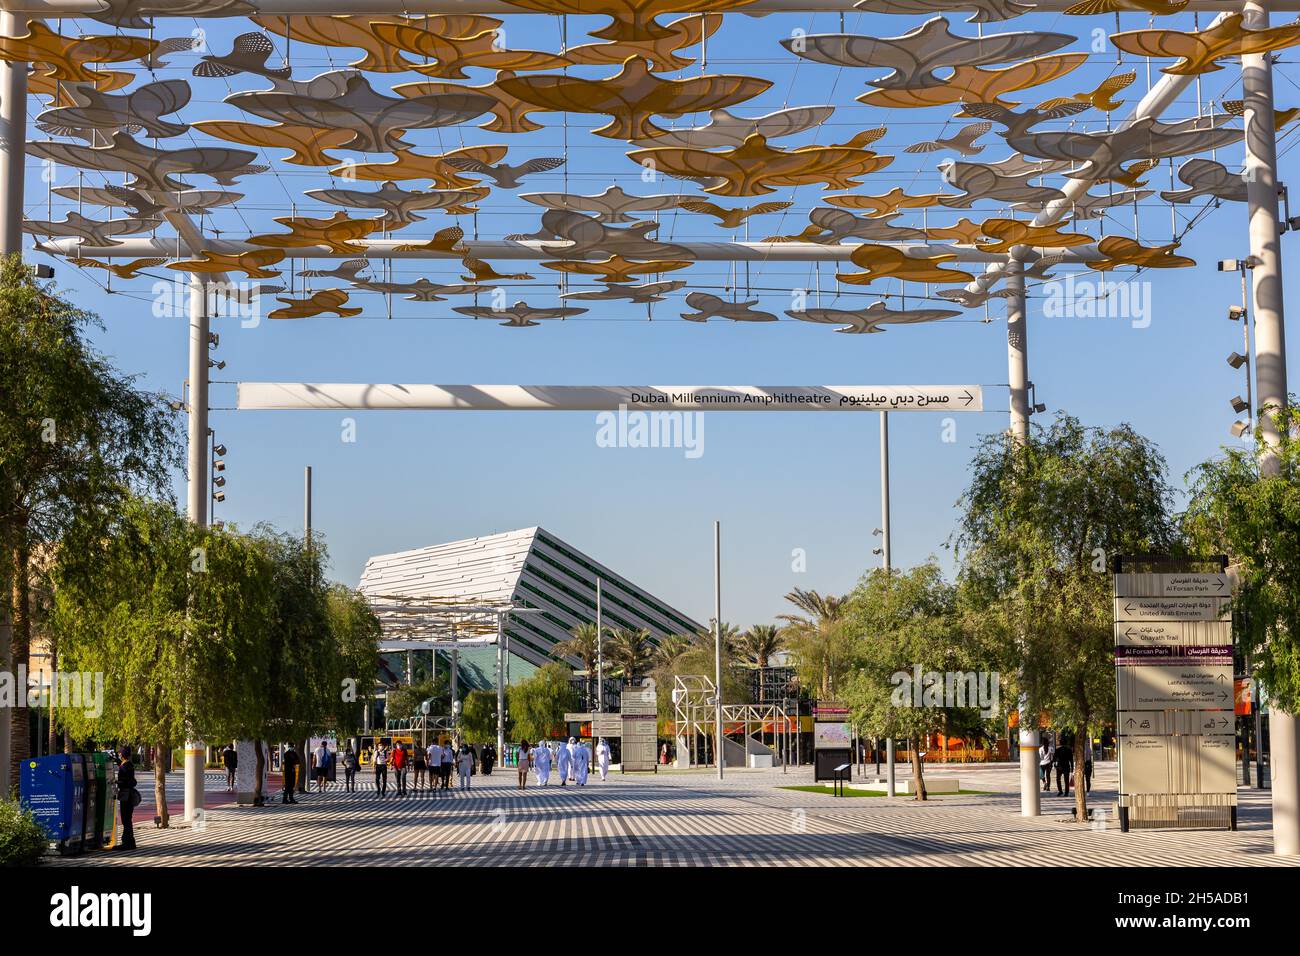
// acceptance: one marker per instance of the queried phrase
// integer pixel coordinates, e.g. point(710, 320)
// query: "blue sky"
point(777, 481)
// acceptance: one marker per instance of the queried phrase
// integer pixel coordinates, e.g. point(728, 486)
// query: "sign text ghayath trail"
point(600, 398)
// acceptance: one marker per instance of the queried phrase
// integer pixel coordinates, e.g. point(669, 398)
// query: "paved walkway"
point(688, 818)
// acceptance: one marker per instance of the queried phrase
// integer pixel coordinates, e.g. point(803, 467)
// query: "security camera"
point(1237, 360)
point(1239, 404)
point(1236, 312)
point(1239, 429)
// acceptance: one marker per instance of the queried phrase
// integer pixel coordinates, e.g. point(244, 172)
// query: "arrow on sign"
point(967, 397)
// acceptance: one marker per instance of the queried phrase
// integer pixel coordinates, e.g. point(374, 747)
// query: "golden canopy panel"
point(633, 20)
point(509, 115)
point(255, 264)
point(326, 301)
point(978, 84)
point(754, 168)
point(1199, 52)
point(408, 164)
point(70, 58)
point(887, 262)
point(618, 269)
point(633, 96)
point(338, 233)
point(307, 144)
point(662, 52)
point(448, 57)
point(1123, 251)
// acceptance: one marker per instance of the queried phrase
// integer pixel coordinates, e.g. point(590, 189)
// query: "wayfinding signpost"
point(1174, 694)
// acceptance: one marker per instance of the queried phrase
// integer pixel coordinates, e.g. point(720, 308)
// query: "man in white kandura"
point(562, 764)
point(542, 764)
point(573, 757)
point(602, 758)
point(582, 764)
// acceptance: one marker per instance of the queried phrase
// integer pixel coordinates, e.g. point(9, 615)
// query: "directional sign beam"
point(613, 398)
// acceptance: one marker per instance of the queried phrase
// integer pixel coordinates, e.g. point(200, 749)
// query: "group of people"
point(432, 765)
point(1059, 756)
point(572, 762)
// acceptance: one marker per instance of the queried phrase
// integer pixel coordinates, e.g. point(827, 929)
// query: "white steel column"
point(1270, 373)
point(1018, 380)
point(199, 495)
point(501, 687)
point(717, 644)
point(884, 491)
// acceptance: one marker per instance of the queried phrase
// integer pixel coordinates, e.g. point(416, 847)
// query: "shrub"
point(22, 841)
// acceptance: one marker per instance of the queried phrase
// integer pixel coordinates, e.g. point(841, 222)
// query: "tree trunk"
point(258, 801)
point(162, 761)
point(918, 774)
point(20, 746)
point(52, 739)
point(1080, 792)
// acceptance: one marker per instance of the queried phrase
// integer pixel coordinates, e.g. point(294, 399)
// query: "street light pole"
point(600, 654)
point(717, 642)
point(199, 498)
point(501, 686)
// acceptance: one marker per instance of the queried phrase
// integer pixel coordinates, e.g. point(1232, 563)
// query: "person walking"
point(433, 756)
point(320, 760)
point(602, 759)
point(524, 760)
point(1045, 759)
point(398, 761)
point(128, 798)
point(562, 757)
point(1064, 766)
point(581, 765)
point(349, 770)
point(381, 769)
point(419, 762)
point(448, 758)
point(489, 759)
point(289, 767)
point(465, 765)
point(1087, 766)
point(230, 760)
point(542, 764)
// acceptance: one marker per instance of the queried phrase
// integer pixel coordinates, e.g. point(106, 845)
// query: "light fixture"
point(216, 365)
point(218, 525)
point(219, 481)
point(876, 531)
point(44, 271)
point(1236, 312)
point(877, 550)
point(218, 465)
point(1040, 407)
point(1239, 404)
point(213, 340)
point(1236, 360)
point(218, 496)
point(218, 449)
point(1240, 428)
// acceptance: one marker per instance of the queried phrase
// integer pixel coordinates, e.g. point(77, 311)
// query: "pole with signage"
point(1175, 722)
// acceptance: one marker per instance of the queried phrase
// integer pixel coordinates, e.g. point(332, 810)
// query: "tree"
point(670, 648)
point(355, 632)
point(1239, 508)
point(759, 643)
point(478, 716)
point(907, 623)
point(537, 705)
point(76, 437)
point(820, 647)
point(630, 653)
point(1040, 521)
point(581, 644)
point(177, 618)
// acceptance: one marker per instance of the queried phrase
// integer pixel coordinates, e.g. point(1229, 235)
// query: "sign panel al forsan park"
point(1174, 697)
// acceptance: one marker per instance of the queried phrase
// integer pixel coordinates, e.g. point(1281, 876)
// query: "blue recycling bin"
point(53, 788)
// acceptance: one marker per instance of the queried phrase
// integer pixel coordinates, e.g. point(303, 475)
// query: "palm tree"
point(630, 652)
point(760, 642)
point(730, 639)
point(582, 645)
point(815, 639)
point(671, 648)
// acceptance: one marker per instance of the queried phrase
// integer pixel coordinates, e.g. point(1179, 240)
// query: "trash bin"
point(53, 789)
point(103, 825)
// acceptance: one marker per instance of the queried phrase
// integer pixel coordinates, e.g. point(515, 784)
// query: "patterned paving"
point(690, 818)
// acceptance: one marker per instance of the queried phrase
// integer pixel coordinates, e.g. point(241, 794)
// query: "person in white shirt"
point(448, 759)
point(573, 758)
point(562, 764)
point(542, 764)
point(602, 758)
point(434, 756)
point(465, 765)
point(1046, 756)
point(582, 764)
point(321, 765)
